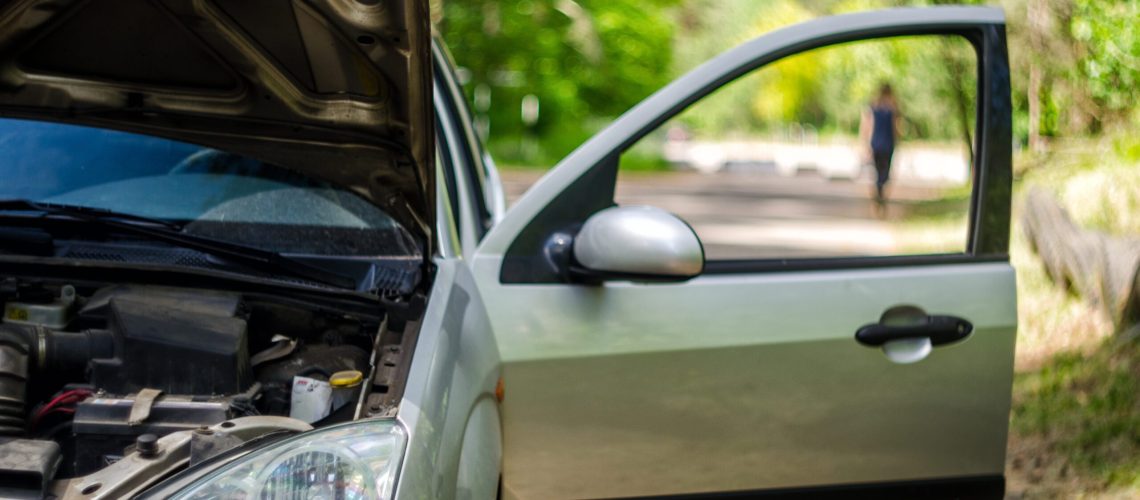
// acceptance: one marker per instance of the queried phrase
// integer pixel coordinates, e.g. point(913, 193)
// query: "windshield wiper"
point(74, 210)
point(169, 232)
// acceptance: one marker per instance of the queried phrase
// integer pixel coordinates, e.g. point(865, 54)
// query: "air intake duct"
point(25, 349)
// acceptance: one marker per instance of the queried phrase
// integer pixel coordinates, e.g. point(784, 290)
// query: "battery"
point(102, 431)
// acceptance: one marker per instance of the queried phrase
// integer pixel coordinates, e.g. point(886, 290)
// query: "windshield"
point(208, 192)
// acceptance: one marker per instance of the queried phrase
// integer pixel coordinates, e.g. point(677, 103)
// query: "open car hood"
point(338, 90)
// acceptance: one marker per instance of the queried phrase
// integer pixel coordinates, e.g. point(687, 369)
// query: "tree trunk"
point(1101, 269)
point(1034, 97)
point(1038, 30)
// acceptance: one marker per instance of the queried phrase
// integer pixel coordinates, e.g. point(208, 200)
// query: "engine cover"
point(176, 343)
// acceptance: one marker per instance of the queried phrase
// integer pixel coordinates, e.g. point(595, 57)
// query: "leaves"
point(580, 58)
point(1110, 34)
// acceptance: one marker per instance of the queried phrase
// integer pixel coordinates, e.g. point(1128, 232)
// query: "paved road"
point(747, 215)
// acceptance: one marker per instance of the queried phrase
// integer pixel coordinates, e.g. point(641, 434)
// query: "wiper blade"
point(102, 213)
point(169, 232)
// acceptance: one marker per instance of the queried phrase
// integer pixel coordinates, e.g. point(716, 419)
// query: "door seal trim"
point(971, 487)
point(714, 267)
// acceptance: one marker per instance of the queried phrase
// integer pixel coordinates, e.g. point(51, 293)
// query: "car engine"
point(90, 373)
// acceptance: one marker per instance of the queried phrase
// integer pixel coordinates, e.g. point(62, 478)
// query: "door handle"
point(939, 329)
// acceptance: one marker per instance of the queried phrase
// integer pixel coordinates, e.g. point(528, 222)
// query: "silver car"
point(254, 252)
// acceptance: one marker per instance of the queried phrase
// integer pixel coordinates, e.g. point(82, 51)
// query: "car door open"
point(871, 374)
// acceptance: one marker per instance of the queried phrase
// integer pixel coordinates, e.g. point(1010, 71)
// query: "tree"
point(1110, 34)
point(579, 58)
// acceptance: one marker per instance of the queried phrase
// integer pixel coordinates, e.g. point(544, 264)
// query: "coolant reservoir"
point(54, 314)
point(346, 387)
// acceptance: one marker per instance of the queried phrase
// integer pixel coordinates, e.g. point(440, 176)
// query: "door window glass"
point(859, 149)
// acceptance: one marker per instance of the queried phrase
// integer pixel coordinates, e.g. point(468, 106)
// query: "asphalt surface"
point(753, 215)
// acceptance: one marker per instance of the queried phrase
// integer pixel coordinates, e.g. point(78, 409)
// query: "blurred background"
point(775, 166)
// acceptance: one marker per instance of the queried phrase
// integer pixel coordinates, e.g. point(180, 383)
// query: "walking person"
point(879, 130)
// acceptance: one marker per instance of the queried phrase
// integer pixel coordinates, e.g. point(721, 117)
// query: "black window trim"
point(742, 266)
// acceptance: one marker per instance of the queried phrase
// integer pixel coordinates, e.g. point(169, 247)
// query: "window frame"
point(454, 106)
point(447, 221)
point(589, 185)
point(972, 251)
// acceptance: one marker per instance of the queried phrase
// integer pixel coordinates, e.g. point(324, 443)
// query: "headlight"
point(358, 460)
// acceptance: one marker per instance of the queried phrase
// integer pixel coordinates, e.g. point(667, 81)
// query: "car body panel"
point(480, 460)
point(454, 371)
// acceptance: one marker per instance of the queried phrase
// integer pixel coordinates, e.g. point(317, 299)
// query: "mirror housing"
point(636, 243)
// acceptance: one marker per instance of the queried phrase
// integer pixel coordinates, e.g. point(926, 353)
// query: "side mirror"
point(636, 243)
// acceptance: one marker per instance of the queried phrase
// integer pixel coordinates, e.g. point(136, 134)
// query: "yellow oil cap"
point(347, 378)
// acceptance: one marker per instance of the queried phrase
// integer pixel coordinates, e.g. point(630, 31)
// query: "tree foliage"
point(1110, 34)
point(1076, 66)
point(827, 89)
point(580, 58)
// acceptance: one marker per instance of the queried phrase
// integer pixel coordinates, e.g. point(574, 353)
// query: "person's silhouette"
point(879, 130)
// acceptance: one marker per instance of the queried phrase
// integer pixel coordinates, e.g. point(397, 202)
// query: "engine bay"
point(91, 373)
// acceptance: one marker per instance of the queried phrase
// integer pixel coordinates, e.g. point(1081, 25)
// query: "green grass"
point(644, 163)
point(930, 235)
point(934, 225)
point(1097, 181)
point(1087, 408)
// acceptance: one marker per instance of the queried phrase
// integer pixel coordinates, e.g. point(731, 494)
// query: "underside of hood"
point(336, 89)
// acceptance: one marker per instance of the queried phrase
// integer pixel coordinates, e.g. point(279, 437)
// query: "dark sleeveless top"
point(883, 132)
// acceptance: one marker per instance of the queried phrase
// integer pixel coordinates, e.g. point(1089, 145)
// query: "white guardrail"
point(922, 163)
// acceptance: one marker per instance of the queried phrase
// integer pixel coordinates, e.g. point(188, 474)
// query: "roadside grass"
point(629, 163)
point(1075, 422)
point(932, 225)
point(1075, 425)
point(930, 235)
point(1097, 181)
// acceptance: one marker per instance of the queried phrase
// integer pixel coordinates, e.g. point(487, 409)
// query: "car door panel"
point(749, 378)
point(747, 383)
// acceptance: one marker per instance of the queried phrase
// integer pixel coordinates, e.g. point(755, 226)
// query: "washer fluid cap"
point(347, 378)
